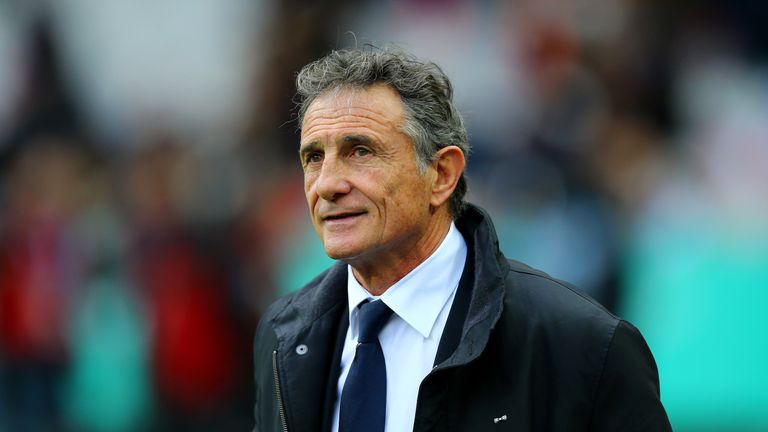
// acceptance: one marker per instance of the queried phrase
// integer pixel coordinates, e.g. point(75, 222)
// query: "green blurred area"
point(698, 292)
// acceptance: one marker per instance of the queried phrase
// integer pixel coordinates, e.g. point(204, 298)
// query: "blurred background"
point(151, 201)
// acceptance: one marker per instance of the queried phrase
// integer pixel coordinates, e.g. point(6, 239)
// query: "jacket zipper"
point(280, 407)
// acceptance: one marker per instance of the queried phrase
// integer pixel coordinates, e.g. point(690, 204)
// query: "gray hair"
point(431, 119)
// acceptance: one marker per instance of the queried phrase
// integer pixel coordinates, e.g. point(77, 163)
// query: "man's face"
point(366, 195)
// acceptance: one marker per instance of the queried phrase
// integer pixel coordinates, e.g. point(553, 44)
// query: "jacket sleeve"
point(628, 397)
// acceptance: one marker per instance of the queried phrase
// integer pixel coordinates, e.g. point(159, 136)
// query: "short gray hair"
point(432, 121)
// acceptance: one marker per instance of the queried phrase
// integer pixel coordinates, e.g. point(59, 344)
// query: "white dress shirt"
point(421, 302)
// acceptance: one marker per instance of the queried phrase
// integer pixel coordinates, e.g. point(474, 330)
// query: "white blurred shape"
point(187, 64)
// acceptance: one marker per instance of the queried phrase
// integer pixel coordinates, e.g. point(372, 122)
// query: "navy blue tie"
point(364, 397)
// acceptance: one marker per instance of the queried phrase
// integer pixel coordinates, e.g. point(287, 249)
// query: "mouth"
point(342, 216)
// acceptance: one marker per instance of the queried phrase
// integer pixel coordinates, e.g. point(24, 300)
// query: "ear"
point(448, 166)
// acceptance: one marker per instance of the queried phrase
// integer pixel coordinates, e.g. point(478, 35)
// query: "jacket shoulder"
point(296, 310)
point(550, 297)
point(554, 316)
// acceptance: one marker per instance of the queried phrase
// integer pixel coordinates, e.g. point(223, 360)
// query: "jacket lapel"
point(306, 350)
point(485, 294)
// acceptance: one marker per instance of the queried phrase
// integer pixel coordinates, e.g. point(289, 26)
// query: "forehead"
point(376, 107)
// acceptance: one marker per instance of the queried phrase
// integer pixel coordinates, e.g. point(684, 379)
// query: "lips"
point(340, 216)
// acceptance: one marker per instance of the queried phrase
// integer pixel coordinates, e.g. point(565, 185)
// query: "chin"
point(341, 246)
point(340, 252)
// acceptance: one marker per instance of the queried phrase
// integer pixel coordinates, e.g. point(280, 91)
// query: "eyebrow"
point(357, 139)
point(309, 148)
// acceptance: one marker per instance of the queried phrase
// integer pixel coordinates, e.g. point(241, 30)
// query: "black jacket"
point(521, 352)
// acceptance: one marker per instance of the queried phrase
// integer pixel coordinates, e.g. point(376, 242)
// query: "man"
point(423, 324)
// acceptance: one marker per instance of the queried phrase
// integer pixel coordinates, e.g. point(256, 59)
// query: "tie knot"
point(372, 317)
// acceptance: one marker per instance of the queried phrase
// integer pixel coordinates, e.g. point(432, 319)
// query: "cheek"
point(391, 188)
point(405, 198)
point(412, 190)
point(309, 183)
point(309, 193)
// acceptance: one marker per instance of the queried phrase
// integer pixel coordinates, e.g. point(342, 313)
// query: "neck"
point(377, 275)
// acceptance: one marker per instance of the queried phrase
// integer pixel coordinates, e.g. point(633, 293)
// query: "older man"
point(423, 324)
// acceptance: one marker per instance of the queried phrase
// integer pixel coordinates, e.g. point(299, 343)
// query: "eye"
point(361, 151)
point(314, 157)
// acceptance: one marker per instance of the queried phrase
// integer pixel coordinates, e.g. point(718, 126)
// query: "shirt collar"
point(420, 295)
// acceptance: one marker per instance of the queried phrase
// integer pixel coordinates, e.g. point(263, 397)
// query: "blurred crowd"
point(151, 201)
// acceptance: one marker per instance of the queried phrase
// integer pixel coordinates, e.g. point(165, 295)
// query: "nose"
point(332, 181)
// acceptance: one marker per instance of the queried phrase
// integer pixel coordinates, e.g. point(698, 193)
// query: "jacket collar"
point(308, 305)
point(487, 298)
